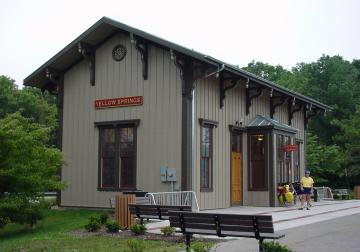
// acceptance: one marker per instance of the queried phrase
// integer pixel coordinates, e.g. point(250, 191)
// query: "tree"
point(324, 162)
point(350, 138)
point(30, 102)
point(28, 167)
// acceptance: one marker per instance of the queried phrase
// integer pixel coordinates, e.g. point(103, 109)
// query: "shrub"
point(136, 245)
point(201, 246)
point(3, 222)
point(93, 224)
point(18, 208)
point(138, 229)
point(167, 231)
point(94, 219)
point(275, 247)
point(351, 195)
point(112, 226)
point(336, 196)
point(104, 216)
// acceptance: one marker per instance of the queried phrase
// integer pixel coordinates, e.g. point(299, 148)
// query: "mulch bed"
point(129, 234)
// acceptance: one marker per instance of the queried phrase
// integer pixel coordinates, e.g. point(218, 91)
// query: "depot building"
point(133, 106)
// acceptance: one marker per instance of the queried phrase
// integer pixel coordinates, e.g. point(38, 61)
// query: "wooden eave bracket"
point(185, 65)
point(309, 112)
point(251, 93)
point(224, 86)
point(275, 101)
point(55, 84)
point(293, 107)
point(142, 47)
point(88, 52)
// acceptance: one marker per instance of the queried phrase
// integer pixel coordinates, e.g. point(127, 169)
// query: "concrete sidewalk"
point(290, 217)
point(285, 218)
point(339, 234)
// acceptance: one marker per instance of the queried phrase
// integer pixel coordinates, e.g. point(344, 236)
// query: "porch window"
point(117, 156)
point(283, 159)
point(257, 164)
point(297, 162)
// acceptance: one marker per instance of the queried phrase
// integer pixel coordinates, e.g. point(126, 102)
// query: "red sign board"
point(290, 147)
point(119, 102)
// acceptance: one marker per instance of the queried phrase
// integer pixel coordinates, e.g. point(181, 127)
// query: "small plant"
point(112, 226)
point(136, 245)
point(167, 231)
point(351, 195)
point(201, 246)
point(138, 229)
point(3, 221)
point(93, 224)
point(104, 216)
point(275, 247)
point(94, 218)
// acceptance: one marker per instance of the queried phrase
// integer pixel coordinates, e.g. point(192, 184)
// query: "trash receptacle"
point(122, 213)
point(357, 192)
point(315, 195)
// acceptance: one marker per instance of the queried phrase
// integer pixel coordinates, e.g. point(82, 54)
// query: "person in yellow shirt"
point(307, 184)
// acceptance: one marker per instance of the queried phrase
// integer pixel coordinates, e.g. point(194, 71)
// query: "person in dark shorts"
point(307, 184)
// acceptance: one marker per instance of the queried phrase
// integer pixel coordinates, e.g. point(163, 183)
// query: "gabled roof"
point(264, 122)
point(106, 27)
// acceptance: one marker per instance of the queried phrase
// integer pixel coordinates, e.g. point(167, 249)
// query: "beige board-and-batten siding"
point(207, 106)
point(159, 132)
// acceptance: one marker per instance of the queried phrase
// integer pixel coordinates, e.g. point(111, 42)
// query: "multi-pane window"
point(117, 157)
point(257, 164)
point(108, 158)
point(297, 162)
point(283, 159)
point(206, 158)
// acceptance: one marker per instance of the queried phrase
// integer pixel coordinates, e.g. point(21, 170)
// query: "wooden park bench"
point(160, 212)
point(259, 227)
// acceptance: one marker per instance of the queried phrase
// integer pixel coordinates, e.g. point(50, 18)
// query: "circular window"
point(119, 52)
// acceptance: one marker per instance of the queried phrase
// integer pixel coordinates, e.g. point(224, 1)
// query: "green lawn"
point(51, 234)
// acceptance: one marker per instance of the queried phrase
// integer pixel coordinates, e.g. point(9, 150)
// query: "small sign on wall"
point(119, 102)
point(290, 147)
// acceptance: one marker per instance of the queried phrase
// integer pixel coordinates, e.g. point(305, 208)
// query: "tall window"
point(297, 162)
point(117, 157)
point(257, 164)
point(108, 158)
point(283, 159)
point(206, 157)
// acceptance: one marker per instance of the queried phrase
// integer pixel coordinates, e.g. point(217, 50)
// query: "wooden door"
point(236, 171)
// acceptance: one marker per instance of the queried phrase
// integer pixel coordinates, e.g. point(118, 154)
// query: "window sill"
point(116, 189)
point(258, 190)
point(206, 190)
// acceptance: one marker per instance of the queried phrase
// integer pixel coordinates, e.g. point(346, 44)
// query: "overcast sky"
point(281, 32)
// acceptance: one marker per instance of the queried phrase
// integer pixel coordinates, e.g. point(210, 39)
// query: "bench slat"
point(226, 221)
point(223, 216)
point(162, 206)
point(234, 234)
point(212, 226)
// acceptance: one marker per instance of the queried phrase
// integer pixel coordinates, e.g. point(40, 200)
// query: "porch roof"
point(264, 122)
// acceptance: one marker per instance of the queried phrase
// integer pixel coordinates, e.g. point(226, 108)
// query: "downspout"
point(193, 142)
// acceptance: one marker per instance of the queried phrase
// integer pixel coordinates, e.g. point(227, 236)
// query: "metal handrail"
point(174, 198)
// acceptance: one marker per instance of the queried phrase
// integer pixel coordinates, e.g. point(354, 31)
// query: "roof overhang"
point(106, 27)
point(262, 122)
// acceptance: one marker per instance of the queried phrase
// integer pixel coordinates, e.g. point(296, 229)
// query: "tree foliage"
point(29, 163)
point(31, 103)
point(28, 166)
